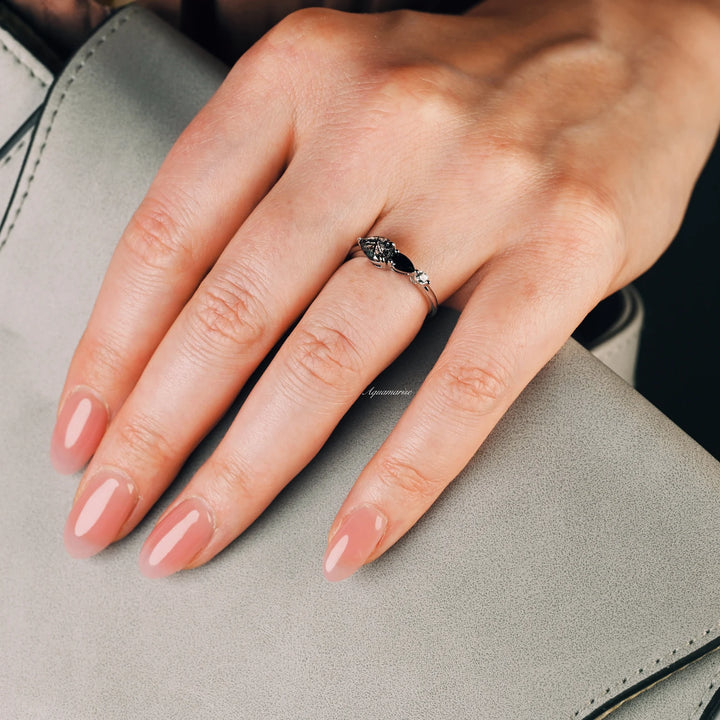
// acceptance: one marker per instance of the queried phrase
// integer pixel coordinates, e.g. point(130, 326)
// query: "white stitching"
point(13, 153)
point(653, 665)
point(71, 80)
point(22, 62)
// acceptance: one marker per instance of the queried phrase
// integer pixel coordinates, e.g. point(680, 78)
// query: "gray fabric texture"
point(573, 560)
point(24, 82)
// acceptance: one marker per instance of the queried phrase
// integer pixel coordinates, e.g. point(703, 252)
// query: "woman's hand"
point(532, 158)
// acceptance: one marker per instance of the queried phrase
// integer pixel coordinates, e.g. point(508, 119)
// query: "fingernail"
point(353, 543)
point(99, 513)
point(177, 539)
point(78, 431)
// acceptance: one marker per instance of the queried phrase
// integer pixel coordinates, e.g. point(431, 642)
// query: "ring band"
point(382, 253)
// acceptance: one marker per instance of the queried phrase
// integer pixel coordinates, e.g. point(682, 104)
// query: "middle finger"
point(347, 336)
point(273, 267)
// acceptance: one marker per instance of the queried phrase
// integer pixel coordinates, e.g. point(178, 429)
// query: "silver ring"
point(382, 253)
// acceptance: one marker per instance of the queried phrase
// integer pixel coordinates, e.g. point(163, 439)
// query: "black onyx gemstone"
point(401, 263)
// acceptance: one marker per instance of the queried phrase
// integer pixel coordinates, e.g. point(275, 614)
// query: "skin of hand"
point(64, 23)
point(532, 157)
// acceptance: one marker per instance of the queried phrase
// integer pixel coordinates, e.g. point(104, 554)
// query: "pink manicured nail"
point(78, 431)
point(99, 513)
point(177, 539)
point(354, 542)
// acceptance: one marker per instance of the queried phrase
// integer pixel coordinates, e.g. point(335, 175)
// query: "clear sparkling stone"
point(421, 278)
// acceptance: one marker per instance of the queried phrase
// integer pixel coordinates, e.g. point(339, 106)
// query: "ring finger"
point(257, 288)
point(344, 340)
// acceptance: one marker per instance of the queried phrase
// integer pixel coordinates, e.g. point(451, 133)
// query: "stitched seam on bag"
point(707, 696)
point(66, 90)
point(22, 62)
point(13, 153)
point(648, 668)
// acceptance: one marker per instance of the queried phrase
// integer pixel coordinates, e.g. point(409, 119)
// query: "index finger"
point(217, 171)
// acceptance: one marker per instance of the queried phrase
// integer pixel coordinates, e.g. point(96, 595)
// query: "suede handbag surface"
point(571, 572)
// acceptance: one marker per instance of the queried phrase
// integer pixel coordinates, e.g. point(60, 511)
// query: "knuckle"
point(308, 33)
point(421, 93)
point(592, 200)
point(104, 362)
point(471, 388)
point(229, 312)
point(310, 54)
point(156, 237)
point(144, 439)
point(585, 217)
point(325, 360)
point(229, 477)
point(396, 473)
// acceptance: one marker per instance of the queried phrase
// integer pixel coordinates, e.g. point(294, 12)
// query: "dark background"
point(679, 359)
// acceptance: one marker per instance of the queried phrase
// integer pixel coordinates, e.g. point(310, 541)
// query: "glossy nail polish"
point(78, 431)
point(177, 539)
point(354, 542)
point(98, 514)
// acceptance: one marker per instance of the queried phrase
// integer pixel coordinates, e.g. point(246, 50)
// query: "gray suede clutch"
point(572, 570)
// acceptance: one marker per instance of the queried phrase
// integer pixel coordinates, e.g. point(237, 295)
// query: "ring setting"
point(384, 254)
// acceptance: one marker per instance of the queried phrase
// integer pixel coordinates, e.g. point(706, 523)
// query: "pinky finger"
point(517, 318)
